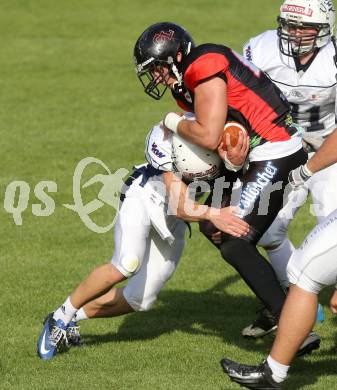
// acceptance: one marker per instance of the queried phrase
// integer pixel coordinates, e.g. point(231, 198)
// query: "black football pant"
point(260, 198)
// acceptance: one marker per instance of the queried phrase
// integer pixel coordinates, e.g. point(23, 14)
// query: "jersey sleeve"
point(203, 67)
point(158, 152)
point(248, 51)
point(260, 50)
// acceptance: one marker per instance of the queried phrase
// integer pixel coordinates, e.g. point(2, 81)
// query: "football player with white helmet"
point(300, 58)
point(149, 237)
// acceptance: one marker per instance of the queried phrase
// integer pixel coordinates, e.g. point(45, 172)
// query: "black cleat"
point(311, 343)
point(251, 377)
point(265, 323)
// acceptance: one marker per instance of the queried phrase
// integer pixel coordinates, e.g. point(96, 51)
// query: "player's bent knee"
point(141, 304)
point(146, 306)
point(305, 283)
point(230, 247)
point(207, 228)
point(274, 236)
point(129, 265)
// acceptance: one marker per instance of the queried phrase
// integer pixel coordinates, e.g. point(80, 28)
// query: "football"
point(233, 129)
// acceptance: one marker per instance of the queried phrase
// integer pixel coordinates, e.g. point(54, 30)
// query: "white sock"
point(279, 259)
point(65, 312)
point(80, 315)
point(279, 370)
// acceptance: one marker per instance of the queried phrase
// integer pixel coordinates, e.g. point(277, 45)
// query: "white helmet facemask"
point(305, 14)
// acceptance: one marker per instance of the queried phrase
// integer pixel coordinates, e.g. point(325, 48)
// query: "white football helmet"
point(317, 14)
point(194, 162)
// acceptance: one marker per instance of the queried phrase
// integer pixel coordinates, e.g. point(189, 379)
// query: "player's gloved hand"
point(171, 121)
point(297, 177)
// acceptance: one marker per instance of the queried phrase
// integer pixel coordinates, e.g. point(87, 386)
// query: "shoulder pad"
point(158, 152)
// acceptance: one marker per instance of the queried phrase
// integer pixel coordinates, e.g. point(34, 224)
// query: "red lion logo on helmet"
point(163, 36)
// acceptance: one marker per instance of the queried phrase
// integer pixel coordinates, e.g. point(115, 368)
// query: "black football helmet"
point(157, 47)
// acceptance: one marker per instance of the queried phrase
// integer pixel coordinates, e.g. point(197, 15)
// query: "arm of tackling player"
point(189, 210)
point(326, 155)
point(323, 158)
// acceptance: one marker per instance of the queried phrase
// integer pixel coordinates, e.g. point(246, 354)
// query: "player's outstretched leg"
point(56, 328)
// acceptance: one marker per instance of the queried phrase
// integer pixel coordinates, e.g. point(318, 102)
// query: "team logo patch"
point(253, 190)
point(163, 36)
point(248, 53)
point(326, 6)
point(297, 9)
point(156, 151)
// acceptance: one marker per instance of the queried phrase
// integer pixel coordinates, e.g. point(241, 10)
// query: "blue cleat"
point(52, 338)
point(73, 334)
point(320, 313)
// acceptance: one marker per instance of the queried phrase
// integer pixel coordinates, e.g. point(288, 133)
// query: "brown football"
point(232, 128)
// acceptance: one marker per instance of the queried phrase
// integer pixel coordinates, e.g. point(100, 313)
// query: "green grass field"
point(68, 91)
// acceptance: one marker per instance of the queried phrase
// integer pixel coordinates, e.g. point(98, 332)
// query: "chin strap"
point(178, 85)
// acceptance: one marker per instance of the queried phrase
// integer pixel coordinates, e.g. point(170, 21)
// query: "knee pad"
point(276, 234)
point(129, 265)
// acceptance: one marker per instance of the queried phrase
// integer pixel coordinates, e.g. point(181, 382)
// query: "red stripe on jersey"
point(183, 106)
point(203, 67)
point(257, 111)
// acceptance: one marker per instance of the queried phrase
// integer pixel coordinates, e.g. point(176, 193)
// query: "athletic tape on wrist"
point(305, 172)
point(172, 120)
point(230, 166)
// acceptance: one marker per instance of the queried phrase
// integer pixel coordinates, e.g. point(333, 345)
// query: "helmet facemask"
point(295, 46)
point(155, 76)
point(297, 16)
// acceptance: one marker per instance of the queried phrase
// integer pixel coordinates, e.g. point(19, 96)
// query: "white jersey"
point(312, 94)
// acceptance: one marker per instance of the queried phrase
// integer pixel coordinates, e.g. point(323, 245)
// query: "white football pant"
point(323, 189)
point(314, 265)
point(142, 255)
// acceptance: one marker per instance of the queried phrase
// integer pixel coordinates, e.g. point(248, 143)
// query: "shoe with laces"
point(52, 338)
point(264, 324)
point(251, 377)
point(73, 334)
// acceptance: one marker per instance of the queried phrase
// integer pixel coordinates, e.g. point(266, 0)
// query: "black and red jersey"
point(183, 99)
point(253, 100)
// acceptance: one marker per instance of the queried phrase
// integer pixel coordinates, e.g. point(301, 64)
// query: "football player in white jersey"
point(149, 238)
point(300, 58)
point(311, 267)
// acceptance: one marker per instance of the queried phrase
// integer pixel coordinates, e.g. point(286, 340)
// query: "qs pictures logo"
point(109, 193)
point(109, 188)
